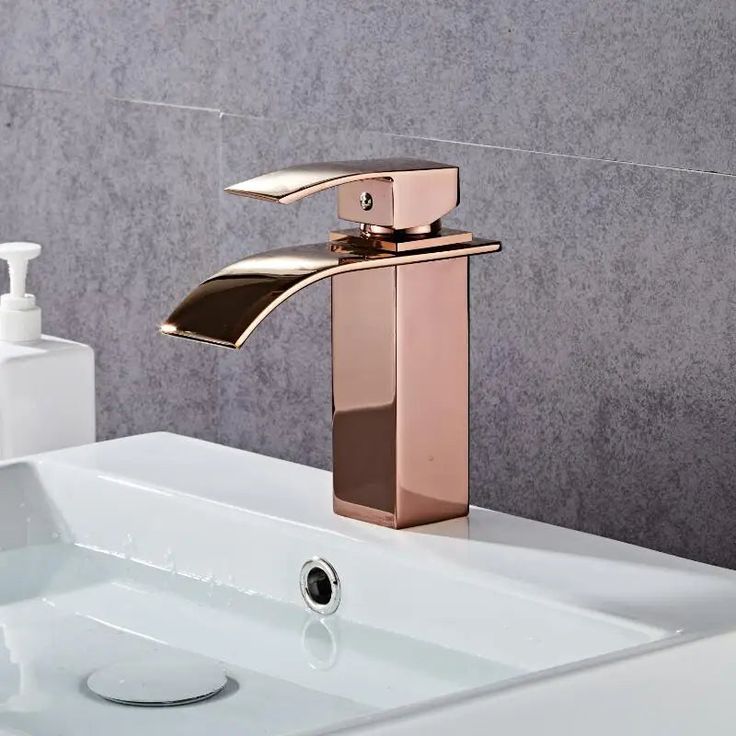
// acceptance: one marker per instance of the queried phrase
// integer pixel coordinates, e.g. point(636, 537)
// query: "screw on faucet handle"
point(400, 193)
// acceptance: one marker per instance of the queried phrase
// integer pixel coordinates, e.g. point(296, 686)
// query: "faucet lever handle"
point(399, 193)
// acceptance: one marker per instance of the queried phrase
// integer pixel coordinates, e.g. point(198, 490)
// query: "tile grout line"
point(173, 105)
point(510, 149)
point(52, 90)
point(575, 156)
point(404, 136)
point(114, 98)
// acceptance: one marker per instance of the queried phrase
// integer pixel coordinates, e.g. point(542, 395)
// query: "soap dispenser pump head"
point(20, 318)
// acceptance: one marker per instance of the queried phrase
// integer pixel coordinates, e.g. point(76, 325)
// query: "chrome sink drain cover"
point(159, 681)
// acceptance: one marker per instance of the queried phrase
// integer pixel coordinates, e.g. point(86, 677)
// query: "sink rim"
point(469, 544)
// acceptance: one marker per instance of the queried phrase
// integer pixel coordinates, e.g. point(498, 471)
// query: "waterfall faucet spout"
point(399, 329)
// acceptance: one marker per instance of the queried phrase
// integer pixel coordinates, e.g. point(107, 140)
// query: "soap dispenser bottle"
point(47, 385)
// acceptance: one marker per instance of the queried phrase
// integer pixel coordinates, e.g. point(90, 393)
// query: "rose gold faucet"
point(399, 329)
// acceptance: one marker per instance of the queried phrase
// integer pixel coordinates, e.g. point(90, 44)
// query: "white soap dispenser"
point(47, 385)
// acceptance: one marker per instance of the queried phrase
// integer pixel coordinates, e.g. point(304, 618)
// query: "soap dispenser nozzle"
point(20, 317)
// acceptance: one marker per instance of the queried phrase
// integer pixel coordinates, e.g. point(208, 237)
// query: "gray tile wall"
point(597, 140)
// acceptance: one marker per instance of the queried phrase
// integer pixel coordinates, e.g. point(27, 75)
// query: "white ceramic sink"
point(146, 545)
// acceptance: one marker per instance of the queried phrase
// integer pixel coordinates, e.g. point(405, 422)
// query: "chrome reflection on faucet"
point(399, 329)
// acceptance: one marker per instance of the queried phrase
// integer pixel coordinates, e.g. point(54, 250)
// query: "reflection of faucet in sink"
point(399, 329)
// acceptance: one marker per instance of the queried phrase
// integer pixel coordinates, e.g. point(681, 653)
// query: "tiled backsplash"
point(603, 337)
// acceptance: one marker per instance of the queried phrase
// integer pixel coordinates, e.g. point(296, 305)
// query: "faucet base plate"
point(401, 242)
point(389, 520)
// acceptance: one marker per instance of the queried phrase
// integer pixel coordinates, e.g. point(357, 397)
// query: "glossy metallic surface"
point(378, 230)
point(400, 393)
point(404, 193)
point(331, 602)
point(399, 329)
point(296, 182)
point(228, 306)
point(401, 241)
point(168, 679)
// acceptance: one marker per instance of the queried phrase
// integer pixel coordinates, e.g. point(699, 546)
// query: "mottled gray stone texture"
point(161, 50)
point(603, 336)
point(651, 81)
point(124, 198)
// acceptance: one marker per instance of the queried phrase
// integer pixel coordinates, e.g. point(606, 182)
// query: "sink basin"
point(158, 544)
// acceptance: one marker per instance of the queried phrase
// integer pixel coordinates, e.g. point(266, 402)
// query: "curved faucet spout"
point(400, 329)
point(228, 306)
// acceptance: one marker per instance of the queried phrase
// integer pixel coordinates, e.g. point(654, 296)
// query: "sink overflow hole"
point(320, 586)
